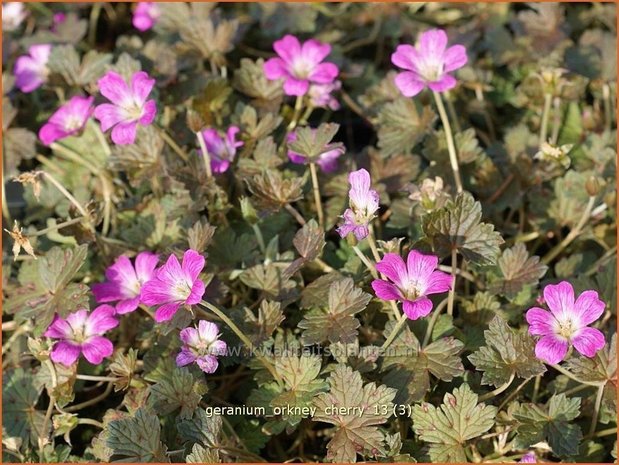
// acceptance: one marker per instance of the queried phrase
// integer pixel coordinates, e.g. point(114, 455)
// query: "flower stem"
point(259, 238)
point(374, 249)
point(452, 291)
point(89, 421)
point(100, 137)
point(396, 330)
point(573, 234)
point(543, 132)
point(67, 194)
point(205, 155)
point(93, 401)
point(295, 213)
point(607, 109)
point(241, 335)
point(596, 411)
point(298, 106)
point(365, 261)
point(556, 121)
point(565, 372)
point(173, 145)
point(497, 391)
point(110, 379)
point(317, 200)
point(453, 157)
point(432, 322)
point(56, 227)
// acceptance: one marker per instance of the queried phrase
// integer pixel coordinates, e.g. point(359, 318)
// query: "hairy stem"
point(596, 410)
point(452, 290)
point(543, 132)
point(432, 322)
point(368, 264)
point(67, 194)
point(565, 372)
point(451, 147)
point(396, 330)
point(173, 145)
point(56, 227)
point(497, 391)
point(205, 155)
point(295, 214)
point(93, 401)
point(317, 199)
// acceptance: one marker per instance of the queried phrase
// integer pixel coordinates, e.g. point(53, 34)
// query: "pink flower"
point(566, 323)
point(67, 120)
point(13, 14)
point(124, 282)
point(174, 285)
point(129, 105)
point(412, 282)
point(529, 457)
point(222, 150)
point(201, 346)
point(428, 63)
point(57, 20)
point(327, 160)
point(82, 332)
point(363, 203)
point(31, 70)
point(321, 95)
point(300, 64)
point(146, 15)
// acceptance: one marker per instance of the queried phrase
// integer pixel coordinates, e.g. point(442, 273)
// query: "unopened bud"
point(248, 211)
point(194, 121)
point(593, 186)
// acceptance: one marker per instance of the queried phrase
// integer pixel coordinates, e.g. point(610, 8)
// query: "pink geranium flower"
point(13, 14)
point(412, 281)
point(146, 15)
point(82, 332)
point(174, 285)
point(124, 281)
point(129, 105)
point(428, 64)
point(566, 323)
point(31, 70)
point(300, 64)
point(221, 150)
point(363, 203)
point(327, 160)
point(201, 346)
point(67, 120)
point(529, 457)
point(321, 95)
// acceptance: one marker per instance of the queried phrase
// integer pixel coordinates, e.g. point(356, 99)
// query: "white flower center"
point(181, 290)
point(134, 111)
point(301, 68)
point(73, 123)
point(565, 327)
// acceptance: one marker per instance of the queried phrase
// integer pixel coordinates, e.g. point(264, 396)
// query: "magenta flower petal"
point(551, 349)
point(324, 73)
point(145, 264)
point(455, 58)
point(113, 87)
point(185, 357)
point(207, 330)
point(150, 111)
point(314, 51)
point(190, 336)
point(394, 268)
point(167, 311)
point(78, 319)
point(202, 346)
point(146, 15)
point(197, 291)
point(127, 305)
point(559, 297)
point(107, 292)
point(96, 349)
point(296, 87)
point(540, 322)
point(433, 42)
point(141, 85)
point(100, 320)
point(31, 70)
point(109, 115)
point(275, 68)
point(588, 341)
point(288, 47)
point(124, 133)
point(207, 363)
point(219, 347)
point(417, 309)
point(51, 133)
point(405, 57)
point(439, 282)
point(409, 83)
point(385, 290)
point(65, 353)
point(420, 264)
point(589, 307)
point(445, 83)
point(193, 263)
point(529, 457)
point(58, 329)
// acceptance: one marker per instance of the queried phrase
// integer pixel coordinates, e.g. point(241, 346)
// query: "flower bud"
point(593, 186)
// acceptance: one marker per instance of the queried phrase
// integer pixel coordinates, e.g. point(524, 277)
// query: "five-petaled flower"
point(68, 120)
point(124, 281)
point(300, 64)
point(363, 203)
point(326, 160)
point(413, 281)
point(202, 346)
point(82, 332)
point(428, 64)
point(566, 323)
point(221, 150)
point(129, 105)
point(321, 95)
point(31, 70)
point(146, 15)
point(174, 285)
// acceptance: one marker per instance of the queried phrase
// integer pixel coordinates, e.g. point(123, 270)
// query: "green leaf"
point(179, 390)
point(602, 367)
point(458, 225)
point(249, 79)
point(20, 394)
point(312, 143)
point(202, 429)
point(309, 242)
point(261, 328)
point(552, 423)
point(517, 270)
point(200, 454)
point(448, 427)
point(365, 407)
point(409, 365)
point(402, 124)
point(335, 322)
point(136, 438)
point(507, 352)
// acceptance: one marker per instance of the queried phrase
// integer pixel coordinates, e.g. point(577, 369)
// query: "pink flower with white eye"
point(124, 281)
point(68, 120)
point(31, 70)
point(566, 323)
point(529, 457)
point(413, 281)
point(129, 105)
point(327, 160)
point(201, 346)
point(146, 15)
point(363, 203)
point(221, 150)
point(428, 64)
point(82, 332)
point(13, 14)
point(321, 95)
point(174, 285)
point(300, 65)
